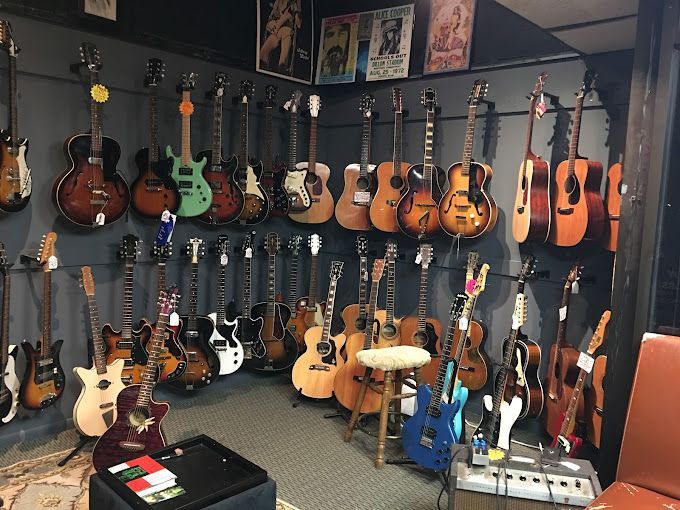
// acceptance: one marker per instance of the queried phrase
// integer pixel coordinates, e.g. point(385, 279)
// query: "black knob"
point(439, 452)
point(437, 461)
point(509, 477)
point(578, 484)
point(563, 483)
point(495, 474)
point(523, 478)
point(536, 480)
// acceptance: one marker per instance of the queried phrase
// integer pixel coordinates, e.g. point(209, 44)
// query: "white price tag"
point(463, 323)
point(224, 259)
point(585, 362)
point(563, 313)
point(52, 262)
point(174, 319)
point(249, 253)
point(100, 219)
point(574, 287)
point(362, 197)
point(418, 258)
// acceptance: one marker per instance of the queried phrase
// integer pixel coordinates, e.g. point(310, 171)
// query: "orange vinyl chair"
point(648, 476)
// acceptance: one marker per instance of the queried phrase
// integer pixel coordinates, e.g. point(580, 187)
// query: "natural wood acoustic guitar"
point(610, 238)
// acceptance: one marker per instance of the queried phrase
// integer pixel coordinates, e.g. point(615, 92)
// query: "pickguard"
point(252, 187)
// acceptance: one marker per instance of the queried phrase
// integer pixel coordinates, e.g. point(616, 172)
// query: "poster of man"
point(101, 8)
point(391, 36)
point(285, 38)
point(390, 48)
point(338, 50)
point(449, 36)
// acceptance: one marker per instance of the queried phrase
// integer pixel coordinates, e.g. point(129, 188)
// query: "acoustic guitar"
point(610, 238)
point(153, 191)
point(294, 181)
point(91, 192)
point(348, 379)
point(9, 382)
point(187, 172)
point(354, 315)
point(227, 198)
point(531, 214)
point(595, 401)
point(16, 184)
point(273, 174)
point(352, 211)
point(577, 207)
point(391, 177)
point(44, 380)
point(389, 328)
point(137, 429)
point(468, 209)
point(314, 372)
point(418, 208)
point(313, 177)
point(95, 410)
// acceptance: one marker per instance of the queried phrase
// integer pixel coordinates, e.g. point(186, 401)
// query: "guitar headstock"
point(336, 270)
point(528, 267)
point(270, 95)
point(161, 253)
point(471, 267)
point(478, 92)
point(246, 89)
point(314, 103)
point(222, 249)
point(155, 72)
point(378, 269)
point(598, 336)
point(195, 249)
point(428, 98)
point(89, 55)
point(425, 254)
point(293, 104)
point(588, 81)
point(129, 249)
point(362, 245)
point(87, 281)
point(396, 99)
point(220, 84)
point(4, 263)
point(167, 301)
point(314, 241)
point(248, 244)
point(295, 244)
point(538, 88)
point(46, 254)
point(391, 251)
point(519, 314)
point(6, 39)
point(272, 244)
point(187, 82)
point(480, 281)
point(573, 276)
point(366, 104)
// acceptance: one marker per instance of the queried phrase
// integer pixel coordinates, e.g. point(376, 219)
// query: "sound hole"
point(570, 184)
point(323, 348)
point(360, 324)
point(389, 331)
point(362, 183)
point(137, 417)
point(311, 178)
point(396, 181)
point(420, 339)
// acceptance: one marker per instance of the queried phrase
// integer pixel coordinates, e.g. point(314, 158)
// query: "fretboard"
point(97, 342)
point(193, 298)
point(267, 162)
point(243, 154)
point(154, 348)
point(153, 124)
point(247, 263)
point(292, 141)
point(311, 161)
point(13, 112)
point(530, 129)
point(46, 314)
point(575, 132)
point(293, 291)
point(573, 404)
point(365, 146)
point(363, 273)
point(128, 288)
point(4, 333)
point(469, 139)
point(160, 280)
point(311, 298)
point(370, 315)
point(562, 326)
point(396, 153)
point(221, 301)
point(438, 388)
point(271, 286)
point(328, 316)
point(95, 121)
point(422, 300)
point(391, 283)
point(186, 132)
point(216, 154)
point(427, 160)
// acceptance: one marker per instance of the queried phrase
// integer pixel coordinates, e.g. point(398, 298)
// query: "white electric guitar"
point(9, 382)
point(294, 183)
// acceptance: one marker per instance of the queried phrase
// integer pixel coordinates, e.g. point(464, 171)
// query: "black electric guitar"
point(248, 330)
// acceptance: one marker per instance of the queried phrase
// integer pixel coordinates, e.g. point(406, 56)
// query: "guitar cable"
point(447, 476)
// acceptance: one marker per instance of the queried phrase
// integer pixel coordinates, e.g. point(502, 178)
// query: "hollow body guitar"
point(314, 372)
point(9, 382)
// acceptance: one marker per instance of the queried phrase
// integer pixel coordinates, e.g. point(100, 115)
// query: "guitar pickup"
point(565, 210)
point(95, 161)
point(219, 343)
point(185, 184)
point(122, 344)
point(128, 362)
point(391, 203)
point(192, 356)
point(185, 170)
point(45, 362)
point(155, 183)
point(520, 209)
point(215, 185)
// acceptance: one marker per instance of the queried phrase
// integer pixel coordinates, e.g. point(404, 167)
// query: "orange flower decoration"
point(186, 108)
point(99, 93)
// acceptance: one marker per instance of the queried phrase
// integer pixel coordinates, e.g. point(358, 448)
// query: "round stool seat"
point(394, 358)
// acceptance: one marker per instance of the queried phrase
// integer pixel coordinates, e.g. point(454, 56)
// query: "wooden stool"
point(391, 360)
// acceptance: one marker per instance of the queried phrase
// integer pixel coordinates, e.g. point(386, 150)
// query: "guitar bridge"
point(131, 446)
point(565, 210)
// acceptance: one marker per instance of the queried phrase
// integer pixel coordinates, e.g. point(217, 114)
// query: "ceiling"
point(588, 26)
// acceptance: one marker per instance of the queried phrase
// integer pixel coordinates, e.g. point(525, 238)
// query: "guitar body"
point(72, 192)
point(153, 191)
point(195, 190)
point(122, 441)
point(314, 372)
point(172, 357)
point(430, 342)
point(348, 379)
point(248, 332)
point(279, 344)
point(353, 323)
point(95, 410)
point(203, 365)
point(613, 203)
point(474, 363)
point(531, 214)
point(525, 383)
point(499, 435)
point(227, 200)
point(595, 402)
point(278, 198)
point(349, 213)
point(437, 454)
point(9, 399)
point(575, 201)
point(44, 380)
point(418, 208)
point(575, 441)
point(467, 208)
point(390, 188)
point(256, 202)
point(14, 195)
point(303, 319)
point(295, 186)
point(389, 334)
point(229, 350)
point(566, 374)
point(132, 351)
point(322, 205)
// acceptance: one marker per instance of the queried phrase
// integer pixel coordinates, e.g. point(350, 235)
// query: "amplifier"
point(527, 486)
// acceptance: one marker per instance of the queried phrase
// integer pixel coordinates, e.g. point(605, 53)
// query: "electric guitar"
point(389, 328)
point(248, 329)
point(353, 208)
point(391, 177)
point(613, 202)
point(314, 372)
point(203, 365)
point(227, 198)
point(531, 214)
point(568, 440)
point(294, 246)
point(16, 184)
point(92, 192)
point(187, 173)
point(128, 344)
point(229, 349)
point(468, 209)
point(44, 379)
point(153, 191)
point(273, 175)
point(577, 207)
point(277, 345)
point(313, 178)
point(294, 181)
point(418, 207)
point(354, 315)
point(256, 202)
point(9, 382)
point(95, 410)
point(428, 435)
point(137, 429)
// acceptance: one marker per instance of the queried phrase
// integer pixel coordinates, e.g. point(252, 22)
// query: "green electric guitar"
point(187, 173)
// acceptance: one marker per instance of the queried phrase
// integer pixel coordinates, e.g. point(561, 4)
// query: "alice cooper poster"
point(285, 42)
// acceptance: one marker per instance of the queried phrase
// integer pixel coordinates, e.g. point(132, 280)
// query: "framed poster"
point(449, 36)
point(100, 8)
point(390, 46)
point(285, 42)
point(337, 50)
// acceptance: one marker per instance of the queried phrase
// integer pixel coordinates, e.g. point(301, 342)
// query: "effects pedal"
point(480, 452)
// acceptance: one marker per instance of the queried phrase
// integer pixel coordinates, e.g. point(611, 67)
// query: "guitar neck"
point(160, 279)
point(293, 292)
point(562, 327)
point(154, 348)
point(243, 154)
point(221, 315)
point(4, 333)
point(575, 132)
point(311, 161)
point(186, 132)
point(530, 130)
point(468, 309)
point(469, 140)
point(97, 341)
point(570, 414)
point(363, 272)
point(391, 284)
point(13, 111)
point(422, 300)
point(370, 315)
point(246, 287)
point(438, 388)
point(47, 314)
point(311, 298)
point(216, 152)
point(365, 146)
point(330, 304)
point(427, 159)
point(153, 124)
point(193, 299)
point(396, 153)
point(292, 141)
point(95, 122)
point(271, 286)
point(267, 162)
point(128, 287)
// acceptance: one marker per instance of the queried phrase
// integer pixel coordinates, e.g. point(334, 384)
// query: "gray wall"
point(53, 106)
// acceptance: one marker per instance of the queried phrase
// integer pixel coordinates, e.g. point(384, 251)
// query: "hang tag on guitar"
point(166, 227)
point(585, 362)
point(52, 262)
point(174, 319)
point(224, 259)
point(362, 197)
point(463, 323)
point(249, 253)
point(419, 259)
point(563, 313)
point(575, 287)
point(540, 107)
point(100, 219)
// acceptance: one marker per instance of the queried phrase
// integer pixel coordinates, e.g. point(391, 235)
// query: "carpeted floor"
point(304, 452)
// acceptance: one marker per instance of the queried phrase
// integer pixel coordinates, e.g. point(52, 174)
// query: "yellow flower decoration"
point(99, 93)
point(186, 108)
